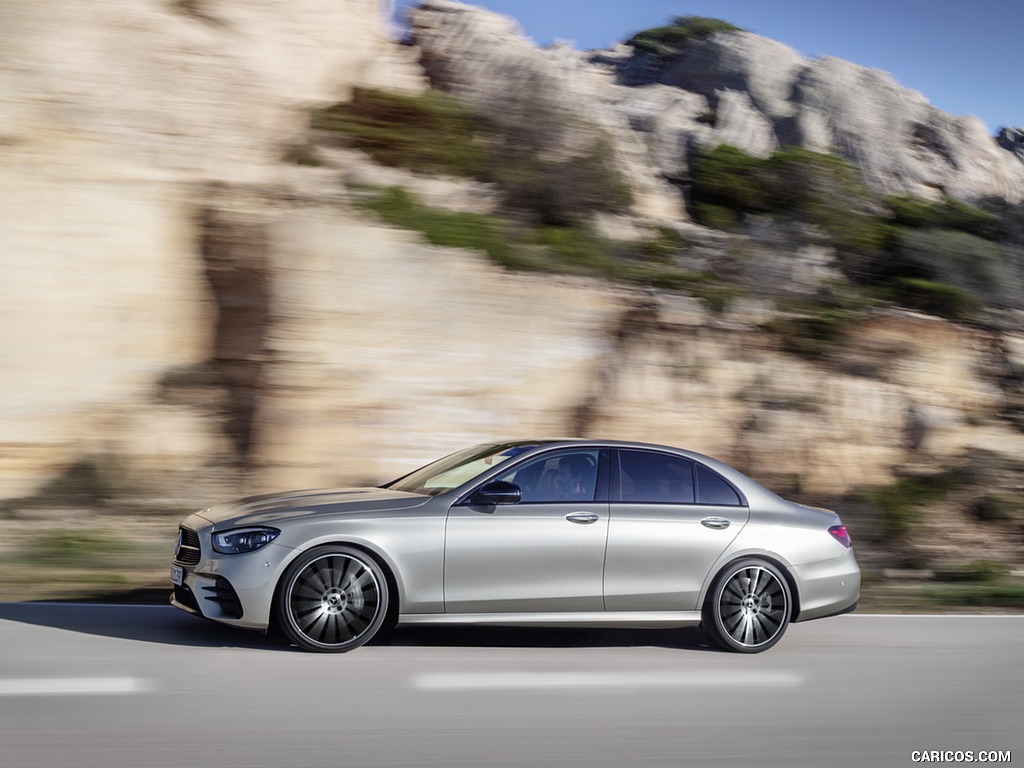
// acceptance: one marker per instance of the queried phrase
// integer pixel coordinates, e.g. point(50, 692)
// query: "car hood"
point(271, 508)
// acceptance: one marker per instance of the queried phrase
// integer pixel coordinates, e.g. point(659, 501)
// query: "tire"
point(332, 599)
point(748, 607)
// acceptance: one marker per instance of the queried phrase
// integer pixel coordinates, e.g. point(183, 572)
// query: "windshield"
point(452, 471)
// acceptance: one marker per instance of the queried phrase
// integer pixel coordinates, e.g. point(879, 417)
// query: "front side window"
point(562, 476)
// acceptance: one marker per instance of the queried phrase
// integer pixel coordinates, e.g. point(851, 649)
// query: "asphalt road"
point(148, 686)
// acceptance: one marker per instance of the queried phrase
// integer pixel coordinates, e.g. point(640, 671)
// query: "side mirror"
point(496, 492)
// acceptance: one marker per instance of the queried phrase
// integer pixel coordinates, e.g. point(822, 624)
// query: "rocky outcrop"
point(486, 59)
point(731, 88)
point(1012, 139)
point(900, 142)
point(189, 316)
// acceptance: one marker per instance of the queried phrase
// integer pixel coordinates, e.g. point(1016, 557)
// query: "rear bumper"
point(828, 587)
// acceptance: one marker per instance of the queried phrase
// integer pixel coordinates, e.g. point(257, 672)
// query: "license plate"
point(177, 575)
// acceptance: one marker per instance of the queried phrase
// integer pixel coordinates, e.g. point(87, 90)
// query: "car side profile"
point(529, 533)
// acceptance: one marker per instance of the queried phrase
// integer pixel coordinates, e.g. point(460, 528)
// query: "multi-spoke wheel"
point(332, 599)
point(748, 607)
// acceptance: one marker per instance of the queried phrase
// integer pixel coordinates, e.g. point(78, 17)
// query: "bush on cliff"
point(521, 148)
point(672, 38)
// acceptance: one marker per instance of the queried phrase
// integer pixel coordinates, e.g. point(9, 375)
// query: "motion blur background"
point(253, 245)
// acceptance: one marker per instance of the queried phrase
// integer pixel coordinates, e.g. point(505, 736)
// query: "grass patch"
point(980, 595)
point(576, 250)
point(451, 229)
point(82, 550)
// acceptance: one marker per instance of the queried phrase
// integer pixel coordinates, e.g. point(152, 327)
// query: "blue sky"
point(965, 57)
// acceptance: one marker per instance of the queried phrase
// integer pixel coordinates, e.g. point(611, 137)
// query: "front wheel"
point(332, 599)
point(748, 607)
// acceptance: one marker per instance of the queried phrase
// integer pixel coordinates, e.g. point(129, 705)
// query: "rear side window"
point(713, 489)
point(656, 477)
point(659, 478)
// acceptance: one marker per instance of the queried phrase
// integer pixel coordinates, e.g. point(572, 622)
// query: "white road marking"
point(73, 686)
point(932, 615)
point(469, 681)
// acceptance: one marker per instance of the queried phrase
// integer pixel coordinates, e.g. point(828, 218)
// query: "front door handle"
point(718, 523)
point(583, 518)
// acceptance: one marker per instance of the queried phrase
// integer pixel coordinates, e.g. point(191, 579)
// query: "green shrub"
point(999, 595)
point(559, 191)
point(574, 249)
point(550, 165)
point(990, 508)
point(819, 189)
point(977, 571)
point(935, 298)
point(672, 38)
point(729, 178)
point(813, 336)
point(79, 549)
point(428, 133)
point(898, 505)
point(302, 154)
point(715, 216)
point(440, 227)
point(914, 212)
point(520, 147)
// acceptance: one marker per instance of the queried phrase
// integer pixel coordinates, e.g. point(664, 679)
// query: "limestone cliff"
point(116, 120)
point(730, 88)
point(197, 317)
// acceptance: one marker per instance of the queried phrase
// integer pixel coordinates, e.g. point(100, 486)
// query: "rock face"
point(1012, 139)
point(731, 88)
point(484, 58)
point(195, 317)
point(116, 121)
point(900, 142)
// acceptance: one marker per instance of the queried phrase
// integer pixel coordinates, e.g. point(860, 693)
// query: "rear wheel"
point(332, 599)
point(748, 607)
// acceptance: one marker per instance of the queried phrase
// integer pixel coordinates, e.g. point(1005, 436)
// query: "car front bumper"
point(233, 589)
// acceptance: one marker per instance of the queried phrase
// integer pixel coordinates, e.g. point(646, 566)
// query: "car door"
point(543, 554)
point(670, 520)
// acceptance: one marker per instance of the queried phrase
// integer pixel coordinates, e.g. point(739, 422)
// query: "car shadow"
point(688, 638)
point(167, 625)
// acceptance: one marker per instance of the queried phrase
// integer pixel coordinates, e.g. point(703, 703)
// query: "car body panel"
point(525, 557)
point(659, 556)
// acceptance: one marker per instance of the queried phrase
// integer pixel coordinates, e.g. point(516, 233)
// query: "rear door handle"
point(718, 523)
point(583, 518)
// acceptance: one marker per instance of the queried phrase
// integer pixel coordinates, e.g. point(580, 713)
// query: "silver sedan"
point(530, 533)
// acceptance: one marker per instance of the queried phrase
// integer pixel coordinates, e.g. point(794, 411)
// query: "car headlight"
point(242, 540)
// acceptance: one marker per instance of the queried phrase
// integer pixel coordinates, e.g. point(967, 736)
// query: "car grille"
point(224, 595)
point(187, 551)
point(185, 597)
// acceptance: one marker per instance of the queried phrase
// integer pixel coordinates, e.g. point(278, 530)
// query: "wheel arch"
point(384, 563)
point(782, 566)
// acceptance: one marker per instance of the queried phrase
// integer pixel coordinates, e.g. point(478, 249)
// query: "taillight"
point(840, 534)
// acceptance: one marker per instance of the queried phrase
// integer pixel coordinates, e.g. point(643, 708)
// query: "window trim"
point(615, 489)
point(601, 491)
